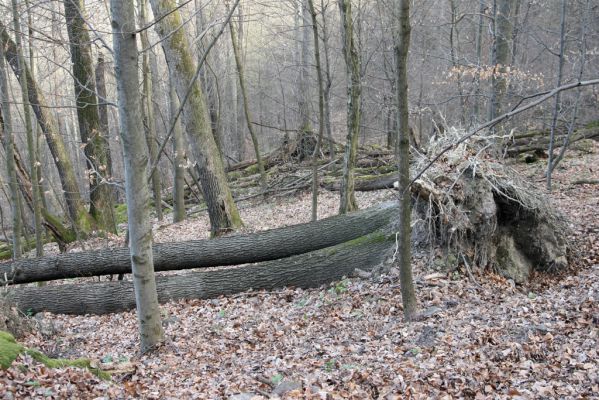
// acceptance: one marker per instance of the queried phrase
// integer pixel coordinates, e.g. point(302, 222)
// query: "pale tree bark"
point(556, 102)
point(178, 159)
point(136, 163)
point(354, 93)
point(305, 127)
point(402, 45)
point(329, 81)
point(502, 32)
point(477, 84)
point(94, 140)
point(31, 149)
point(77, 212)
point(8, 143)
point(320, 111)
point(147, 110)
point(246, 108)
point(222, 211)
point(103, 112)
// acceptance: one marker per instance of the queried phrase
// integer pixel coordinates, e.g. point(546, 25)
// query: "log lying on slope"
point(231, 250)
point(306, 270)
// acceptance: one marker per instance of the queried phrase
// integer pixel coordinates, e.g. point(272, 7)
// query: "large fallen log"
point(306, 270)
point(540, 141)
point(231, 250)
point(366, 183)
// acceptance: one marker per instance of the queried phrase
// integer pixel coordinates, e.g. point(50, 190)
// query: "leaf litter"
point(490, 340)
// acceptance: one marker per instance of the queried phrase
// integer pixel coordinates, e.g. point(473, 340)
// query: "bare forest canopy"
point(452, 73)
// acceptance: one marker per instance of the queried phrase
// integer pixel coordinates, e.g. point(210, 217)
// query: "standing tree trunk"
point(147, 110)
point(77, 212)
point(136, 163)
point(103, 113)
point(556, 103)
point(320, 112)
point(178, 159)
point(354, 93)
point(8, 142)
point(402, 45)
point(246, 107)
point(222, 211)
point(502, 32)
point(33, 162)
point(94, 140)
point(329, 82)
point(303, 105)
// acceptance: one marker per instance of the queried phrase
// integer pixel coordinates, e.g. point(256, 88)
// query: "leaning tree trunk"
point(93, 138)
point(11, 172)
point(354, 93)
point(222, 211)
point(31, 147)
point(76, 208)
point(136, 176)
point(230, 250)
point(305, 270)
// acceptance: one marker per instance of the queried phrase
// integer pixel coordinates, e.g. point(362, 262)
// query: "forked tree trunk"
point(222, 211)
point(97, 151)
point(230, 250)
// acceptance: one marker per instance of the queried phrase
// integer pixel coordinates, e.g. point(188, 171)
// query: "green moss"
point(234, 175)
point(592, 124)
point(120, 211)
point(252, 169)
point(10, 350)
point(375, 237)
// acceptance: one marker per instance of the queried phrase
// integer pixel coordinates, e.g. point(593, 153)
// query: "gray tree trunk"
point(402, 45)
point(246, 107)
point(354, 94)
point(222, 211)
point(31, 148)
point(8, 143)
point(94, 140)
point(148, 111)
point(501, 54)
point(230, 250)
point(305, 271)
point(179, 158)
point(136, 163)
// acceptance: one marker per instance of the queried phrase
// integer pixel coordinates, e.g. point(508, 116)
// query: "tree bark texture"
point(136, 179)
point(306, 270)
point(9, 147)
point(222, 211)
point(93, 138)
point(230, 250)
point(502, 54)
point(402, 45)
point(148, 111)
point(354, 93)
point(31, 141)
point(45, 117)
point(178, 158)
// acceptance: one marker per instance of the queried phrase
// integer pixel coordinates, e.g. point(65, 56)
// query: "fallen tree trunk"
point(231, 250)
point(542, 142)
point(306, 270)
point(367, 183)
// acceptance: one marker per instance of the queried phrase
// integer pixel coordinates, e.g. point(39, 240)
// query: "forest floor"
point(486, 338)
